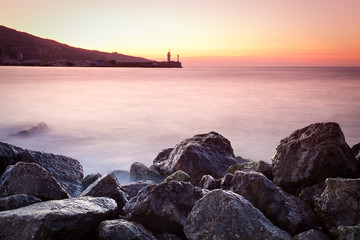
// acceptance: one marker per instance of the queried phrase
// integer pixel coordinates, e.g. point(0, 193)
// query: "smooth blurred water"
point(108, 118)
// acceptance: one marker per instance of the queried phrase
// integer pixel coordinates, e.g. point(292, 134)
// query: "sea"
point(108, 118)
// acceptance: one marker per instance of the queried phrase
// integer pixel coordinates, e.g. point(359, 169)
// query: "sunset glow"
point(229, 32)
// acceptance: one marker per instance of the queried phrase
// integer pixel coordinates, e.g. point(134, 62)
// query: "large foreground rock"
point(311, 235)
point(121, 229)
point(17, 201)
point(338, 204)
point(200, 155)
point(164, 207)
point(67, 171)
point(74, 218)
point(286, 211)
point(32, 179)
point(108, 186)
point(224, 215)
point(312, 154)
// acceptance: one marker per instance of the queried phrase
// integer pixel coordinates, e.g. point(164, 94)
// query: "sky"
point(203, 32)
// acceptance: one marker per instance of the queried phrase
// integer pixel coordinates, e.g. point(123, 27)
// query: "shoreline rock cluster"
point(196, 190)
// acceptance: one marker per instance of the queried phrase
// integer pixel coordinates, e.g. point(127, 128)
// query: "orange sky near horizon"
point(203, 32)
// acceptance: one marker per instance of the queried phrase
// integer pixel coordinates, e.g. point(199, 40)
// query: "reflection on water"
point(110, 117)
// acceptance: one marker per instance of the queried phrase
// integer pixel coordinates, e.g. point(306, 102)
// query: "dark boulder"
point(132, 189)
point(164, 207)
point(203, 154)
point(17, 201)
point(225, 215)
point(167, 236)
point(309, 194)
point(73, 219)
point(286, 211)
point(259, 166)
point(356, 150)
point(338, 204)
point(139, 171)
point(67, 171)
point(311, 235)
point(32, 179)
point(163, 155)
point(226, 182)
point(89, 179)
point(33, 130)
point(179, 176)
point(312, 154)
point(121, 229)
point(210, 183)
point(108, 186)
point(348, 232)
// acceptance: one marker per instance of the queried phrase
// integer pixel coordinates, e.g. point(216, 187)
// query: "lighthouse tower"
point(168, 56)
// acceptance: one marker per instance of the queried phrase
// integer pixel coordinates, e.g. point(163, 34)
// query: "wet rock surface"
point(73, 218)
point(164, 207)
point(311, 235)
point(356, 150)
point(312, 154)
point(67, 171)
point(121, 229)
point(210, 183)
point(108, 186)
point(132, 189)
point(309, 194)
point(163, 155)
point(226, 215)
point(284, 210)
point(167, 236)
point(348, 232)
point(17, 201)
point(203, 154)
point(32, 179)
point(338, 204)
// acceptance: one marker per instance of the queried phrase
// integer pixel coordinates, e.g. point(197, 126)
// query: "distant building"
point(168, 56)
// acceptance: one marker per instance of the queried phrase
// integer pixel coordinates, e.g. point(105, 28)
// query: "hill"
point(21, 48)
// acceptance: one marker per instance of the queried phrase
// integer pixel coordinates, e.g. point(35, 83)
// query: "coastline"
point(100, 63)
point(210, 175)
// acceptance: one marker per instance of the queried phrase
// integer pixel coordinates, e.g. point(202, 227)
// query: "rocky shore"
point(196, 190)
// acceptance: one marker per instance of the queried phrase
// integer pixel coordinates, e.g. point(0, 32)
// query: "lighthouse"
point(168, 56)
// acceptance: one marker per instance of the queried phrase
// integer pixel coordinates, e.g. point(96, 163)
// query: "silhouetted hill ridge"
point(15, 45)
